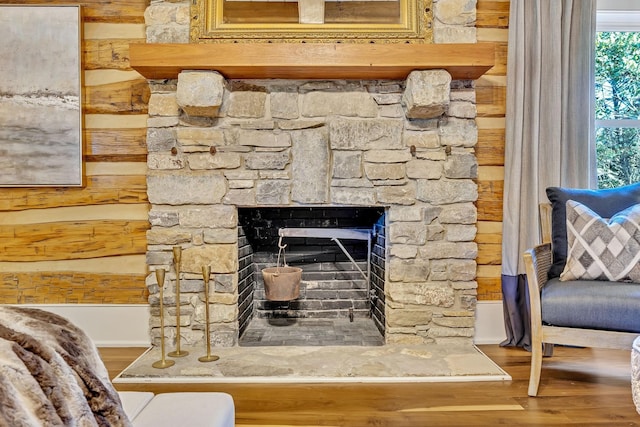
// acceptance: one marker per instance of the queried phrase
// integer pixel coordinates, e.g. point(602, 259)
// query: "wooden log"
point(124, 145)
point(72, 240)
point(492, 14)
point(490, 148)
point(71, 287)
point(500, 61)
point(491, 101)
point(129, 11)
point(489, 254)
point(107, 54)
point(489, 202)
point(489, 288)
point(100, 190)
point(121, 97)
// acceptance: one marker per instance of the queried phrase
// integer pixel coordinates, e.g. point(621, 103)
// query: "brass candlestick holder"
point(177, 256)
point(206, 273)
point(162, 363)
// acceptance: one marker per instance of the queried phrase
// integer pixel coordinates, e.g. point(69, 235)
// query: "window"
point(617, 89)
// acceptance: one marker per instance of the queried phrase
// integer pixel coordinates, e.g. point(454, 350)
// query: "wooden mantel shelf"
point(311, 60)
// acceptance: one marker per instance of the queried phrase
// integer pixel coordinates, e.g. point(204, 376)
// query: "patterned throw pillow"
point(601, 249)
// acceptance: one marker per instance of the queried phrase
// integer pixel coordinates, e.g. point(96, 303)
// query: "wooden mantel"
point(311, 60)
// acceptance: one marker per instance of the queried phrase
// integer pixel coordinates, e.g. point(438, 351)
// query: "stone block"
point(204, 161)
point(365, 134)
point(167, 236)
point(209, 217)
point(165, 161)
point(200, 93)
point(273, 192)
point(209, 137)
point(160, 139)
point(163, 218)
point(455, 12)
point(354, 182)
point(163, 104)
point(403, 251)
point(378, 171)
point(310, 166)
point(436, 294)
point(454, 250)
point(427, 94)
point(461, 165)
point(243, 197)
point(409, 270)
point(347, 104)
point(222, 258)
point(424, 169)
point(411, 233)
point(459, 213)
point(347, 164)
point(461, 232)
point(284, 105)
point(182, 189)
point(398, 195)
point(462, 109)
point(387, 156)
point(265, 160)
point(425, 139)
point(353, 196)
point(220, 235)
point(443, 33)
point(408, 316)
point(461, 270)
point(444, 192)
point(245, 104)
point(459, 132)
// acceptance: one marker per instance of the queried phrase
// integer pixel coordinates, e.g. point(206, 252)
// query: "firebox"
point(341, 251)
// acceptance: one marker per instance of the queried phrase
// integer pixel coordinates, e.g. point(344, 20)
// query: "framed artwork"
point(40, 96)
point(364, 21)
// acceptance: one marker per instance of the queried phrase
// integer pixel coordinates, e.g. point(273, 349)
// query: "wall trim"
point(127, 325)
point(108, 325)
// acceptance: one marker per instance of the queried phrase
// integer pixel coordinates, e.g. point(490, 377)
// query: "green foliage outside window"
point(618, 98)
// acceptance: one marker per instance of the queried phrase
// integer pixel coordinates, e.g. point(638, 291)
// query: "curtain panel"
point(549, 138)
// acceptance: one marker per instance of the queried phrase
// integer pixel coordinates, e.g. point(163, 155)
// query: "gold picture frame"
point(407, 21)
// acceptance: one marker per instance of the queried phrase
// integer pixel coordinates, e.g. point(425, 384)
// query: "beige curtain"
point(549, 129)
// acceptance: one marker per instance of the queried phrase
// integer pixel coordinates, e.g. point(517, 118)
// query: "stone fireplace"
point(222, 148)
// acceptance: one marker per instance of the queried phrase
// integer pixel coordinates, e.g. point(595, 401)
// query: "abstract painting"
point(40, 96)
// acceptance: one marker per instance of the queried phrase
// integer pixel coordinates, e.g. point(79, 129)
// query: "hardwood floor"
point(579, 386)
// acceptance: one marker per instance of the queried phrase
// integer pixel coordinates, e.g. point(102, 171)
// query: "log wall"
point(87, 245)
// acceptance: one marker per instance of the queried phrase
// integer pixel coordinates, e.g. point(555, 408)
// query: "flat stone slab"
point(388, 363)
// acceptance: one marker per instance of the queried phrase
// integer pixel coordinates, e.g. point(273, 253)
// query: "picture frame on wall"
point(41, 142)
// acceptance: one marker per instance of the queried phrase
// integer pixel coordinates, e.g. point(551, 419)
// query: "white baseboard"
point(120, 325)
point(108, 325)
point(489, 323)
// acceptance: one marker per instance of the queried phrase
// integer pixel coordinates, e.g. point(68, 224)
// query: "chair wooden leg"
point(547, 349)
point(536, 367)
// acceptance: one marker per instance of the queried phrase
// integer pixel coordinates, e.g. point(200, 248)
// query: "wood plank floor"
point(579, 386)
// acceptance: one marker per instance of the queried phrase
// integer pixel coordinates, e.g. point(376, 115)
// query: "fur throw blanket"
point(51, 374)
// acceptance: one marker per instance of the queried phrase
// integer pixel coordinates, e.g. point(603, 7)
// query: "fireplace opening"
point(341, 252)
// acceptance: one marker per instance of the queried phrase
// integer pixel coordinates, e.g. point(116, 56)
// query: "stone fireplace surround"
point(216, 144)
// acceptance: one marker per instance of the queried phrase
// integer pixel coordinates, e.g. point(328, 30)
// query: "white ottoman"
point(197, 409)
point(635, 373)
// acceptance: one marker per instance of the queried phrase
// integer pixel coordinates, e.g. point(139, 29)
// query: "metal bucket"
point(281, 283)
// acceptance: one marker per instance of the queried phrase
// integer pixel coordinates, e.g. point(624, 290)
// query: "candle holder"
point(162, 363)
point(206, 273)
point(177, 257)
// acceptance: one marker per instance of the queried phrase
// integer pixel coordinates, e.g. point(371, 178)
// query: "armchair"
point(583, 313)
